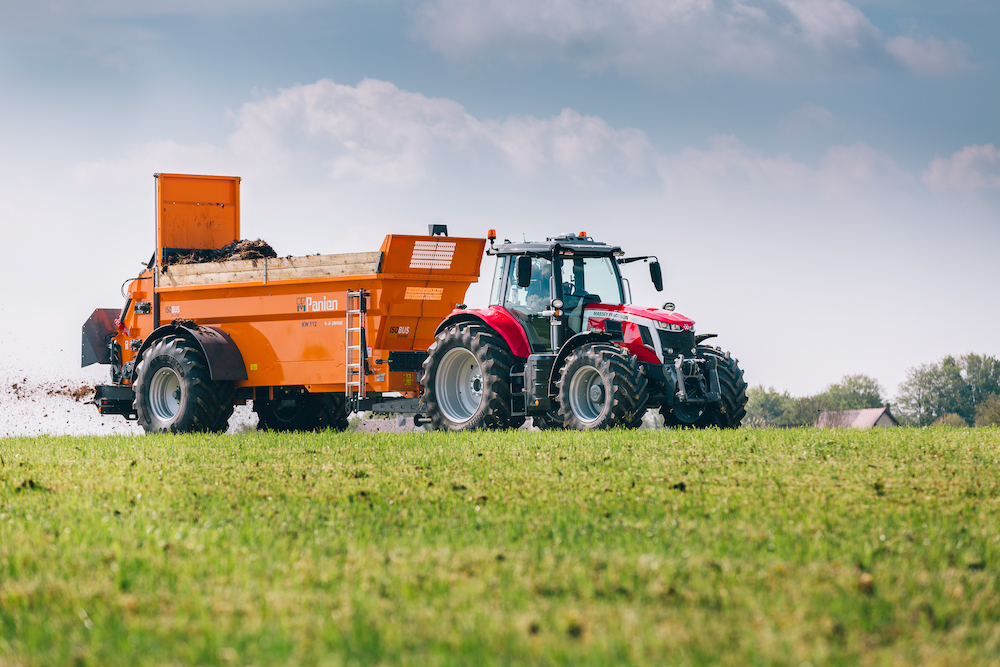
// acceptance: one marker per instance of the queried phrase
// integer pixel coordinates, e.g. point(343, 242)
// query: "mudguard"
point(497, 319)
point(225, 362)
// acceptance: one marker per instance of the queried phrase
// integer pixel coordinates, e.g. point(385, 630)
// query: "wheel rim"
point(165, 394)
point(459, 385)
point(587, 394)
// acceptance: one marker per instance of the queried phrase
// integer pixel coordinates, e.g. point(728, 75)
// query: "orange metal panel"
point(292, 332)
point(196, 211)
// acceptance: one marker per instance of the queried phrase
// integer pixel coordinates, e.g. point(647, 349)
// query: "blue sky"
point(820, 179)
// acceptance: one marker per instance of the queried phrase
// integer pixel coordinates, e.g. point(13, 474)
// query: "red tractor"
point(560, 344)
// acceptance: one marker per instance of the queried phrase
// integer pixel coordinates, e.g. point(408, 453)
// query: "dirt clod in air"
point(242, 249)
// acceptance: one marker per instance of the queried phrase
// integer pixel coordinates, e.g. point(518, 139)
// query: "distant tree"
point(853, 392)
point(766, 406)
point(952, 385)
point(805, 411)
point(950, 419)
point(988, 412)
point(983, 376)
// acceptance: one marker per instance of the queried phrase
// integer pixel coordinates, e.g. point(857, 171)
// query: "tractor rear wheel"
point(304, 412)
point(174, 391)
point(600, 386)
point(467, 380)
point(732, 406)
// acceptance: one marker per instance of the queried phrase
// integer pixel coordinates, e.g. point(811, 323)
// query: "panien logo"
point(307, 304)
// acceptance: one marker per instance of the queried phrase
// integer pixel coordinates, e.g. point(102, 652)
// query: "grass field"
point(651, 547)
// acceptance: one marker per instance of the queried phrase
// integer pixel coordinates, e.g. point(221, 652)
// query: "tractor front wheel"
point(601, 387)
point(732, 406)
point(174, 391)
point(467, 380)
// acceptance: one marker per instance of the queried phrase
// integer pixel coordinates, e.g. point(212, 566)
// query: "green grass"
point(652, 547)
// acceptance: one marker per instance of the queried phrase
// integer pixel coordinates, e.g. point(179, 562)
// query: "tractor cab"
point(547, 286)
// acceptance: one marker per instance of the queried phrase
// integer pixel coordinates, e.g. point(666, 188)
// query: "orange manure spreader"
point(306, 339)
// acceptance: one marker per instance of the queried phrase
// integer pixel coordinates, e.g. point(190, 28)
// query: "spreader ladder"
point(357, 345)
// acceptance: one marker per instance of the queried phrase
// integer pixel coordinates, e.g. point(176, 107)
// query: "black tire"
point(550, 421)
point(174, 392)
point(731, 408)
point(600, 386)
point(304, 412)
point(227, 405)
point(467, 380)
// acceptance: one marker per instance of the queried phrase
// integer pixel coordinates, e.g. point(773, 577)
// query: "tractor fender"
point(497, 319)
point(568, 347)
point(225, 362)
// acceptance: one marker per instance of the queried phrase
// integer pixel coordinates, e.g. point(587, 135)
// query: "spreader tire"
point(732, 406)
point(305, 412)
point(600, 386)
point(467, 380)
point(174, 392)
point(227, 405)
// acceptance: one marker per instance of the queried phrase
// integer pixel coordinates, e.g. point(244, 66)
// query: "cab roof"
point(575, 244)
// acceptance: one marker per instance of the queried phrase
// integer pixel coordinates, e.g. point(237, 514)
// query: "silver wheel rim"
point(587, 394)
point(165, 394)
point(459, 385)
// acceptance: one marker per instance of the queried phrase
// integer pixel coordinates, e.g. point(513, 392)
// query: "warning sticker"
point(432, 255)
point(424, 293)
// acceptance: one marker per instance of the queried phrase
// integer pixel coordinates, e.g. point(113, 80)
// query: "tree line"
point(956, 391)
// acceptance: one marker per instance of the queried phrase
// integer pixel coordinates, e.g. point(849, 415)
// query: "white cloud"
point(929, 56)
point(678, 38)
point(729, 166)
point(968, 170)
point(376, 132)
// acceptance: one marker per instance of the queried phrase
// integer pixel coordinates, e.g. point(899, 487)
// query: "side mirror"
point(656, 275)
point(523, 271)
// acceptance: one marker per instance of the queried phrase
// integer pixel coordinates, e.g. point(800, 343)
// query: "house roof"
point(865, 418)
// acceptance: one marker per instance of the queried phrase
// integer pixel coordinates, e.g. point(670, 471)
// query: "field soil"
point(765, 547)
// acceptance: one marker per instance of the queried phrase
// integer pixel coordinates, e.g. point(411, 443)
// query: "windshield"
point(592, 279)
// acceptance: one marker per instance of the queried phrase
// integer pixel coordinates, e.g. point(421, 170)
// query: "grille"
point(681, 342)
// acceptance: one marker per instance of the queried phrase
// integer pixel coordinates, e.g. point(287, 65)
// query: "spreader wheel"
point(302, 412)
point(174, 392)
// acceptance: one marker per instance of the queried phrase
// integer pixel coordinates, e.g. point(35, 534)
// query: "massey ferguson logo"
point(307, 304)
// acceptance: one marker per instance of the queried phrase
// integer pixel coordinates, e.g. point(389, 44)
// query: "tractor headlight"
point(668, 326)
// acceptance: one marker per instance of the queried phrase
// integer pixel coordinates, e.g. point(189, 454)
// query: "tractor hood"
point(633, 312)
